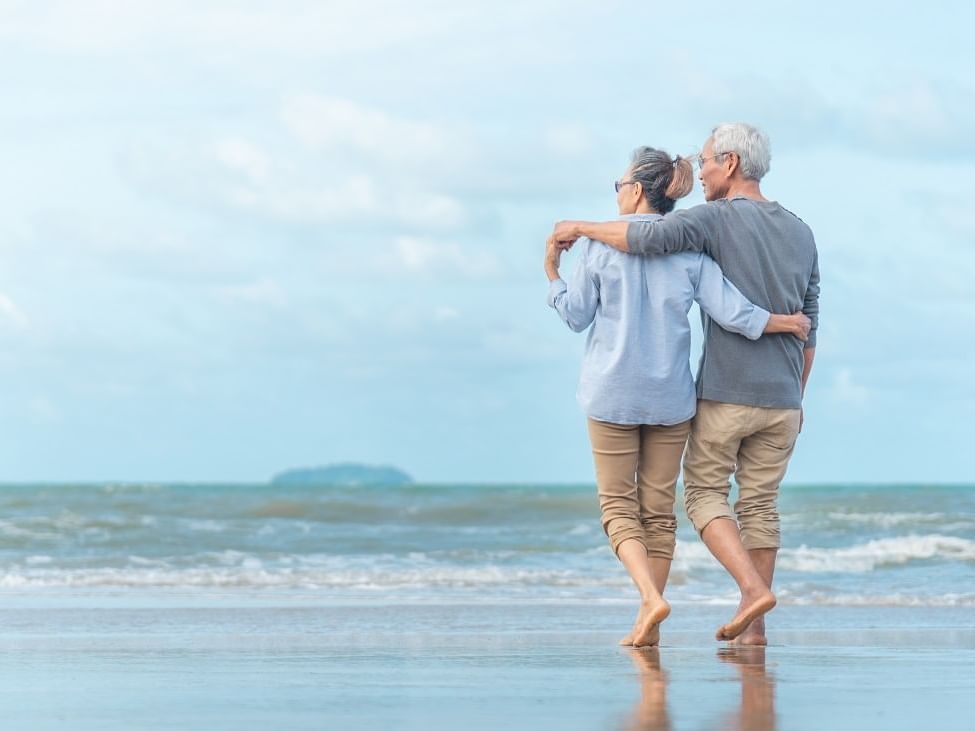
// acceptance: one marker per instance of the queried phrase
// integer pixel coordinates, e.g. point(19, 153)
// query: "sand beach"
point(215, 663)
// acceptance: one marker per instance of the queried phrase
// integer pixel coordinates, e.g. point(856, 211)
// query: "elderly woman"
point(636, 386)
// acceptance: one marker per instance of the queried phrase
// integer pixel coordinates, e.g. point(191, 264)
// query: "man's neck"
point(746, 189)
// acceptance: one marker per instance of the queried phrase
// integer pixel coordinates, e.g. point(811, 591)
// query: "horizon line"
point(438, 483)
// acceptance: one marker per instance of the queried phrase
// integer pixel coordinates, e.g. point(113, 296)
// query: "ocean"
point(459, 606)
point(843, 545)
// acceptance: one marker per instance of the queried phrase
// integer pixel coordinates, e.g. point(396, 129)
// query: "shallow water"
point(429, 607)
point(477, 666)
point(911, 545)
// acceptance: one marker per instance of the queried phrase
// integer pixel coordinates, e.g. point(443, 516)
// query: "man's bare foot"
point(743, 656)
point(646, 632)
point(751, 608)
point(753, 636)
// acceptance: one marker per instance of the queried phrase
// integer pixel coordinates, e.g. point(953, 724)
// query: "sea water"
point(843, 545)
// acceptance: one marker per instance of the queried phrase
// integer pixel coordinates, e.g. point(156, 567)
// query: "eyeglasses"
point(701, 160)
point(620, 183)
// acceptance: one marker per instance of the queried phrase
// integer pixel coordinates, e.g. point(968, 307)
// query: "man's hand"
point(611, 233)
point(565, 234)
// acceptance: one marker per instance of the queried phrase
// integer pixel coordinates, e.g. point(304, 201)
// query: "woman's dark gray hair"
point(664, 179)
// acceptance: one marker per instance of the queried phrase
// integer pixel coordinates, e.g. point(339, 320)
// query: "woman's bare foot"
point(627, 641)
point(752, 607)
point(651, 711)
point(652, 641)
point(646, 632)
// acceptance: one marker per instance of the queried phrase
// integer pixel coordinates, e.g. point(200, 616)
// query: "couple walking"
point(632, 287)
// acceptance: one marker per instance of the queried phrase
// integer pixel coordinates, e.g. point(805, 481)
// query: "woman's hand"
point(553, 255)
point(797, 324)
point(802, 326)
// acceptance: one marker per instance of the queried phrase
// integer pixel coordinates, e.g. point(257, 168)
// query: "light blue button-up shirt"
point(636, 368)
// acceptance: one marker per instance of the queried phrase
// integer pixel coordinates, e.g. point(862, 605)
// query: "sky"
point(244, 237)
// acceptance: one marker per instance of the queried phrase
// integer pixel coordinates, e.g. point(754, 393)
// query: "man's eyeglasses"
point(620, 183)
point(701, 160)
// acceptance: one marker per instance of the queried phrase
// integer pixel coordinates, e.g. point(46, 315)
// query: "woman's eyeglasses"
point(620, 183)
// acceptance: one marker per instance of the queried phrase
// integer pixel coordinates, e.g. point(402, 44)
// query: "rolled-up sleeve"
point(683, 230)
point(810, 303)
point(728, 307)
point(576, 301)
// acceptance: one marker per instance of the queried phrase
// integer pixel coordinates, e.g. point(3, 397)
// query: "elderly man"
point(749, 392)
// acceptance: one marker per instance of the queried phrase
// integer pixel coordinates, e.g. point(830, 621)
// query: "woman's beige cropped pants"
point(636, 476)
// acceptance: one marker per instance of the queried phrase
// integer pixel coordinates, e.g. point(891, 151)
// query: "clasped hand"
point(565, 234)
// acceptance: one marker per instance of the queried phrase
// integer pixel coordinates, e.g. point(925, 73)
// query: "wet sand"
point(211, 664)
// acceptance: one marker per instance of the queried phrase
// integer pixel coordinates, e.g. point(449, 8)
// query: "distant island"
point(348, 474)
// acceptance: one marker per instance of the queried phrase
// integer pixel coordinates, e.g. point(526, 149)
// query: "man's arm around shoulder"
point(684, 230)
point(612, 233)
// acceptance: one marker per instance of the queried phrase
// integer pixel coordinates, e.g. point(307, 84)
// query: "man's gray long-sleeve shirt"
point(770, 255)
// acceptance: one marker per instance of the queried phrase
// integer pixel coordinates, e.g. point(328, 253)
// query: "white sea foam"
point(484, 583)
point(890, 520)
point(839, 599)
point(256, 577)
point(692, 557)
point(12, 530)
point(142, 561)
point(868, 556)
point(207, 526)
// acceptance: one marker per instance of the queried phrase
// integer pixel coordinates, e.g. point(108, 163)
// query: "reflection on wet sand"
point(755, 713)
point(650, 713)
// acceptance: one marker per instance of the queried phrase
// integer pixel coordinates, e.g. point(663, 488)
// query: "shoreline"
point(476, 667)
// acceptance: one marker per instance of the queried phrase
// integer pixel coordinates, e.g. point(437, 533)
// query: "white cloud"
point(913, 111)
point(244, 157)
point(357, 198)
point(11, 314)
point(445, 314)
point(41, 410)
point(847, 391)
point(264, 292)
point(425, 257)
point(333, 28)
point(353, 164)
point(567, 140)
point(291, 200)
point(330, 124)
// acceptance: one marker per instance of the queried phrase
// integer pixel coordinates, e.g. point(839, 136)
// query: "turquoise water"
point(906, 545)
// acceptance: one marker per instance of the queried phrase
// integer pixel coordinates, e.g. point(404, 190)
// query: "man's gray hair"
point(749, 143)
